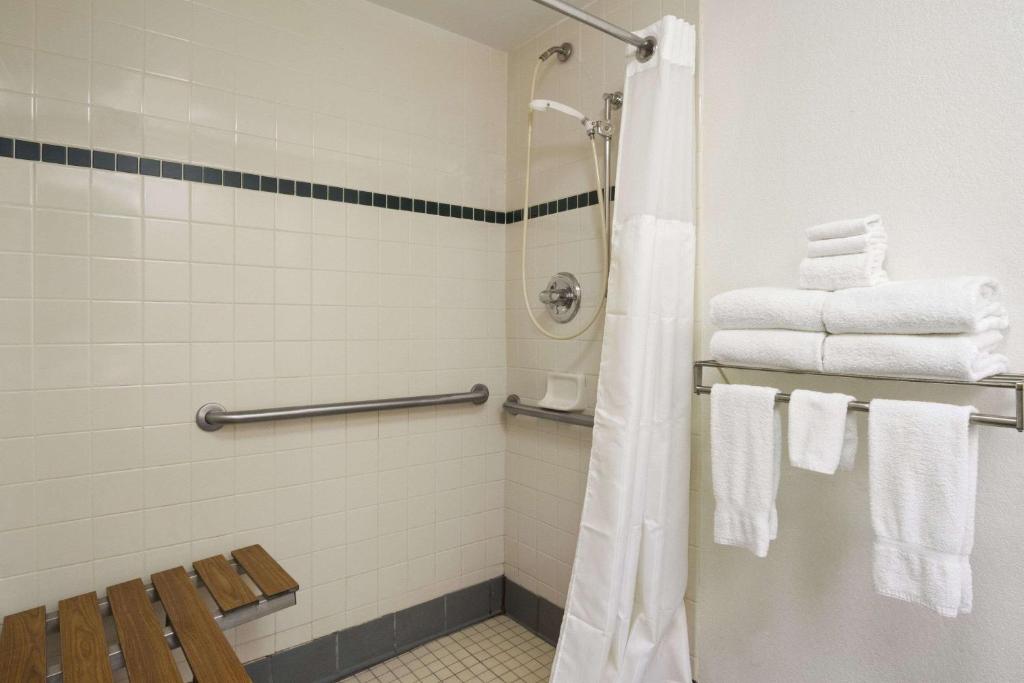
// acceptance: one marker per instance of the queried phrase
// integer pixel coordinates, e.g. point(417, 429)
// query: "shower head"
point(549, 105)
point(564, 51)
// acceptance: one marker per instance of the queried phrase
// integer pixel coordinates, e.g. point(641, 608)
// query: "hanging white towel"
point(822, 431)
point(846, 228)
point(784, 349)
point(923, 472)
point(952, 305)
point(746, 449)
point(778, 308)
point(945, 356)
point(842, 272)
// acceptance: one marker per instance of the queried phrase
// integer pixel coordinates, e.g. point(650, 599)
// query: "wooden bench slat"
point(224, 583)
point(83, 644)
point(264, 570)
point(147, 657)
point(207, 650)
point(23, 647)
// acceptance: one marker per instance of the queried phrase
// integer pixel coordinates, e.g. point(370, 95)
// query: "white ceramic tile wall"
point(547, 463)
point(127, 302)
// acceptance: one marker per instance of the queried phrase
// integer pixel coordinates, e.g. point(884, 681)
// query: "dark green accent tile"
point(103, 160)
point(127, 163)
point(171, 169)
point(150, 167)
point(54, 154)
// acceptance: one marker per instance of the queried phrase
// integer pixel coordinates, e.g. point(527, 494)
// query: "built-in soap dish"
point(564, 392)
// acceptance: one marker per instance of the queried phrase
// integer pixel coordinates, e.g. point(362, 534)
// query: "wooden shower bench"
point(195, 621)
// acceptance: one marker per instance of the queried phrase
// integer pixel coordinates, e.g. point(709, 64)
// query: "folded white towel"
point(822, 431)
point(845, 228)
point(746, 449)
point(923, 472)
point(946, 356)
point(769, 308)
point(845, 245)
point(951, 305)
point(842, 272)
point(785, 349)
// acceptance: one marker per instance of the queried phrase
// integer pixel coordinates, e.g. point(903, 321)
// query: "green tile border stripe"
point(66, 155)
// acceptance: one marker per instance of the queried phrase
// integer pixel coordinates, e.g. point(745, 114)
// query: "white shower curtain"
point(624, 619)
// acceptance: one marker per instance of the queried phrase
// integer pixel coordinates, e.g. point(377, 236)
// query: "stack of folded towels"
point(848, 318)
point(845, 254)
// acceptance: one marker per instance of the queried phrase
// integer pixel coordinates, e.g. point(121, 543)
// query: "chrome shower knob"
point(562, 297)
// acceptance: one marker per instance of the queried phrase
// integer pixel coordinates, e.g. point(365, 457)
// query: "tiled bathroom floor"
point(498, 649)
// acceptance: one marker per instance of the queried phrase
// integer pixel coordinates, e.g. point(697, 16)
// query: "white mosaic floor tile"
point(497, 650)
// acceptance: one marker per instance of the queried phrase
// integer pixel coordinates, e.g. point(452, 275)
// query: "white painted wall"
point(828, 109)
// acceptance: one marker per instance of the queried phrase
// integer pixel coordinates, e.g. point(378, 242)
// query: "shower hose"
point(526, 223)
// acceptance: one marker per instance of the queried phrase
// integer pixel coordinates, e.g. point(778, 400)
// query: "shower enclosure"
point(249, 300)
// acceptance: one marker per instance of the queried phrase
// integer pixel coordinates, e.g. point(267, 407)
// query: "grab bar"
point(212, 416)
point(513, 406)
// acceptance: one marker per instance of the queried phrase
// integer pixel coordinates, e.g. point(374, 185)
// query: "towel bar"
point(212, 416)
point(1003, 381)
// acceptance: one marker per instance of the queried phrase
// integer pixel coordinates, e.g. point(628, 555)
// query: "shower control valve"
point(562, 297)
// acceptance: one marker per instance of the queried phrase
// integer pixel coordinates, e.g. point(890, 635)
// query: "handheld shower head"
point(548, 105)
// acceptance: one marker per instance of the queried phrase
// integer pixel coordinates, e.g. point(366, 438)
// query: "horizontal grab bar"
point(513, 406)
point(213, 416)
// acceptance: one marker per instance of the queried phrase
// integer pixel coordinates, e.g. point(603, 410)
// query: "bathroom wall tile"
point(167, 56)
point(165, 97)
point(167, 294)
point(116, 87)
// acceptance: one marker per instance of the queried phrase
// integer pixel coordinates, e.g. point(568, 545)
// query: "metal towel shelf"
point(213, 416)
point(1004, 381)
point(512, 406)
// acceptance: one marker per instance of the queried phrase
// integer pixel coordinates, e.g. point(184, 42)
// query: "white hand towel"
point(946, 305)
point(769, 308)
point(946, 356)
point(842, 272)
point(746, 450)
point(785, 349)
point(845, 228)
point(822, 431)
point(845, 245)
point(923, 472)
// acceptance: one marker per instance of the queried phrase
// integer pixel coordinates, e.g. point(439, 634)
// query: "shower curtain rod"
point(645, 46)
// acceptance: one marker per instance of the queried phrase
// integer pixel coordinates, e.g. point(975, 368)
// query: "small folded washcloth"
point(846, 228)
point(822, 431)
point(842, 272)
point(952, 305)
point(786, 349)
point(923, 473)
point(947, 356)
point(758, 308)
point(845, 245)
point(746, 449)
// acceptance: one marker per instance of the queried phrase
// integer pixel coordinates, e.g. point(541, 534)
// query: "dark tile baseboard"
point(533, 612)
point(343, 653)
point(346, 652)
